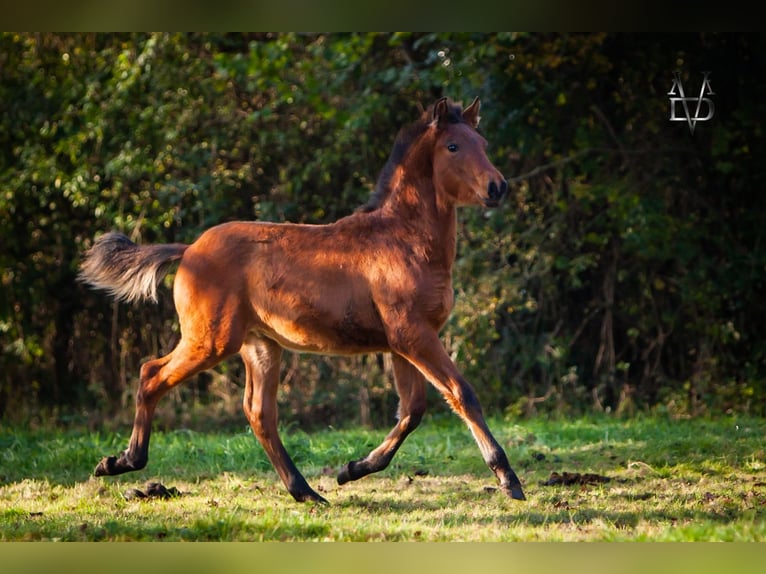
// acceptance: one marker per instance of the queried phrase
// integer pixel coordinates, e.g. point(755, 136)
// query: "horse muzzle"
point(495, 192)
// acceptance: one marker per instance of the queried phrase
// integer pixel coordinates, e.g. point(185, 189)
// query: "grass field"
point(689, 480)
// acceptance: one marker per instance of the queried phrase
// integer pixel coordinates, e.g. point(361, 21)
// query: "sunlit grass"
point(669, 480)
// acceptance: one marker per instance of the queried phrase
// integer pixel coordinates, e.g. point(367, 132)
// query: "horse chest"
point(433, 299)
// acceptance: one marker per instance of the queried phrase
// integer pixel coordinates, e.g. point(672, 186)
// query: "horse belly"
point(309, 337)
point(337, 326)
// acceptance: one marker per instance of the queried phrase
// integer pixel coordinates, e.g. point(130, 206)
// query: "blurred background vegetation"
point(624, 274)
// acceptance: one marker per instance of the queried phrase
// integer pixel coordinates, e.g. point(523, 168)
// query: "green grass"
point(688, 480)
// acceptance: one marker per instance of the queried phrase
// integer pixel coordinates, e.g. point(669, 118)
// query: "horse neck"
point(433, 223)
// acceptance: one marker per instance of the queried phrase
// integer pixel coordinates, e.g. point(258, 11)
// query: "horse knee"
point(464, 401)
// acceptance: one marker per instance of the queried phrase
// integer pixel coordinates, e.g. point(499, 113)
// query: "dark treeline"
point(625, 272)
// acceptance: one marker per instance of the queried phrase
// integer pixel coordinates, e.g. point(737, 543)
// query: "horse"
point(376, 281)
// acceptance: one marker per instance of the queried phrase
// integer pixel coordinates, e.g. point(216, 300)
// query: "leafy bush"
point(624, 271)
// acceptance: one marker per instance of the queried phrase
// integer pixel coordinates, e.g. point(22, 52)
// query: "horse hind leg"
point(157, 377)
point(262, 361)
point(410, 385)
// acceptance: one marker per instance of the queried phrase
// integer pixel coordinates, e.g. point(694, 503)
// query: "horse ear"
point(471, 113)
point(440, 110)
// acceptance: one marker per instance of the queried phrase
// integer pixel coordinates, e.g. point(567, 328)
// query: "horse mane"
point(406, 137)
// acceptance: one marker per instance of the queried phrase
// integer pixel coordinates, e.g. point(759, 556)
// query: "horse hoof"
point(112, 465)
point(106, 467)
point(514, 491)
point(320, 500)
point(311, 497)
point(344, 475)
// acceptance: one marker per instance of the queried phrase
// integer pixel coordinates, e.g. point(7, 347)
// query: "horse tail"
point(128, 272)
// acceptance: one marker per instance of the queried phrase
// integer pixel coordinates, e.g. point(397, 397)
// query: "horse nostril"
point(495, 192)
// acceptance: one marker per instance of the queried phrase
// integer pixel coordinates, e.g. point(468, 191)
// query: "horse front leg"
point(262, 361)
point(424, 350)
point(410, 385)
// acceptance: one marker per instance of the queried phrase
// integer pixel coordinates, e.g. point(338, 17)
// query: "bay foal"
point(378, 280)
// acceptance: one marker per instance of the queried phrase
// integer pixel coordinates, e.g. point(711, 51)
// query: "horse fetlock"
point(357, 469)
point(347, 473)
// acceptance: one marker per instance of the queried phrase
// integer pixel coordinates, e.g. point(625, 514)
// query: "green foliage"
point(623, 273)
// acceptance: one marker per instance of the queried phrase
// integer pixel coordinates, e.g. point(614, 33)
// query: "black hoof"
point(319, 500)
point(514, 491)
point(107, 467)
point(345, 474)
point(300, 490)
point(112, 465)
point(310, 496)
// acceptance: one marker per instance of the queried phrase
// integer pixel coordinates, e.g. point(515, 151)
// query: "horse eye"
point(452, 147)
